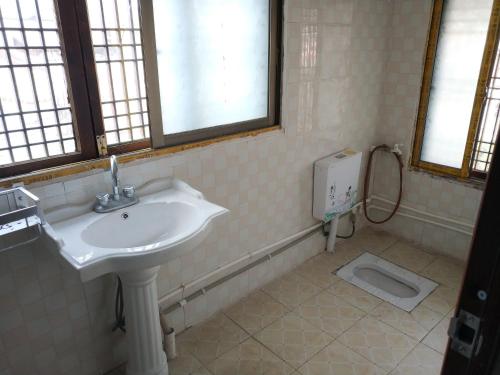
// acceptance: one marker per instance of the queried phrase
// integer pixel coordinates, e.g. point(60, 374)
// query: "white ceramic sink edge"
point(158, 229)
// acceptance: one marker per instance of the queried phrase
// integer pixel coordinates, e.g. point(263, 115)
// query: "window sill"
point(46, 175)
point(470, 182)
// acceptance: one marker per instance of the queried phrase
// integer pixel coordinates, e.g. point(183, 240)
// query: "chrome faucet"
point(114, 177)
point(125, 198)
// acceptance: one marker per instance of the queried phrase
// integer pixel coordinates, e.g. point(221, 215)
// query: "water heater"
point(336, 184)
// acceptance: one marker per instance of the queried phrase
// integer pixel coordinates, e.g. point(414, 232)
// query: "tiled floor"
point(309, 322)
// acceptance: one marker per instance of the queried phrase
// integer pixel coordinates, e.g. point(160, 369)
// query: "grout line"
point(404, 334)
point(330, 341)
point(202, 361)
point(294, 310)
point(217, 357)
point(267, 325)
point(343, 330)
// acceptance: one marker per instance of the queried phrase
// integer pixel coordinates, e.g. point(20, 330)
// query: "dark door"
point(474, 344)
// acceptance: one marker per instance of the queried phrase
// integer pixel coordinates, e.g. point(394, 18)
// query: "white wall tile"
point(335, 54)
point(396, 124)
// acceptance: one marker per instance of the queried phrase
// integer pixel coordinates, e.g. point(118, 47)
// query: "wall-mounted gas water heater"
point(336, 180)
point(336, 187)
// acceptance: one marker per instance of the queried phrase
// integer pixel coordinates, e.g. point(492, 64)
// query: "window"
point(458, 111)
point(117, 42)
point(488, 122)
point(220, 67)
point(79, 80)
point(36, 119)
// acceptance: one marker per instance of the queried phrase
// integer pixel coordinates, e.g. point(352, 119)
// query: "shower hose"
point(367, 183)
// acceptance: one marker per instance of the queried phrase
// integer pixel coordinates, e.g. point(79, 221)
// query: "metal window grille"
point(116, 37)
point(35, 114)
point(489, 123)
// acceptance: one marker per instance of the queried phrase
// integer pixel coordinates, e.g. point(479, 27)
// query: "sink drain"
point(125, 216)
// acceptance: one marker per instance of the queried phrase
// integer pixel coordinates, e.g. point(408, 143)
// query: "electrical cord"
point(349, 235)
point(324, 230)
point(367, 183)
point(119, 318)
point(327, 231)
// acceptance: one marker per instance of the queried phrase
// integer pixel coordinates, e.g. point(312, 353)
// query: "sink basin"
point(165, 221)
point(157, 229)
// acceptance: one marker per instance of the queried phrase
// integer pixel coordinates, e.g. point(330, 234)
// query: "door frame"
point(482, 274)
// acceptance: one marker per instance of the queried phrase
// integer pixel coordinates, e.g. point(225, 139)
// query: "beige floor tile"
point(378, 342)
point(445, 271)
point(291, 289)
point(344, 253)
point(211, 339)
point(256, 311)
point(250, 358)
point(408, 257)
point(337, 359)
point(355, 296)
point(369, 239)
point(421, 361)
point(442, 300)
point(415, 324)
point(186, 364)
point(293, 339)
point(330, 313)
point(437, 339)
point(320, 270)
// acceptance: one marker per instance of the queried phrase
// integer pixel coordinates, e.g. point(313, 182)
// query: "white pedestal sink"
point(133, 242)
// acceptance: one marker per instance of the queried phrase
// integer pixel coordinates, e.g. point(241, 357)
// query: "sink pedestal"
point(137, 239)
point(144, 341)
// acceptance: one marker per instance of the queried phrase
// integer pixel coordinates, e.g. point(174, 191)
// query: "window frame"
point(85, 139)
point(84, 97)
point(83, 92)
point(159, 139)
point(464, 172)
point(94, 96)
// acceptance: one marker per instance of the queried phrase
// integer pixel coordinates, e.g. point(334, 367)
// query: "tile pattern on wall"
point(334, 73)
point(334, 54)
point(399, 103)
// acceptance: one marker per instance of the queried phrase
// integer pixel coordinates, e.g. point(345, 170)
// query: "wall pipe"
point(461, 223)
point(423, 220)
point(203, 284)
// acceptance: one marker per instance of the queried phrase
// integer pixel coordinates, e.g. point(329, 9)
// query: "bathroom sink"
point(134, 241)
point(157, 229)
point(142, 225)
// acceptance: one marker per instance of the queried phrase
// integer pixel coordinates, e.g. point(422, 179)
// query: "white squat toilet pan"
point(396, 285)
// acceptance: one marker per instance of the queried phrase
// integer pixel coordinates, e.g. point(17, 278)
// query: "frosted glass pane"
point(212, 61)
point(120, 72)
point(459, 55)
point(32, 83)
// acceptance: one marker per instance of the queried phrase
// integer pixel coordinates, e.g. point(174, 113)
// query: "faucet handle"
point(102, 199)
point(129, 191)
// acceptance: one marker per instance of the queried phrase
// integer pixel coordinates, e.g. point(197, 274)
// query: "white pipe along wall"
point(199, 286)
point(425, 217)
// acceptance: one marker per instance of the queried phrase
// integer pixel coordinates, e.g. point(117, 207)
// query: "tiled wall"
point(51, 323)
point(438, 196)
